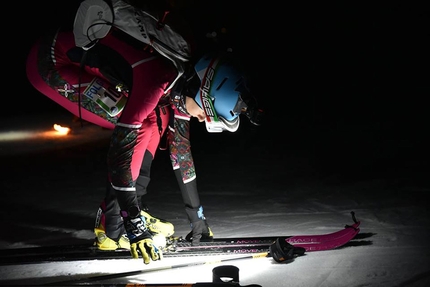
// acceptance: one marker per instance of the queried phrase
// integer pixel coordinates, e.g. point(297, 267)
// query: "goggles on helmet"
point(219, 95)
point(244, 105)
point(216, 123)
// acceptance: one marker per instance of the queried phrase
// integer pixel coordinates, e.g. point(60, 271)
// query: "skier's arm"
point(182, 159)
point(180, 148)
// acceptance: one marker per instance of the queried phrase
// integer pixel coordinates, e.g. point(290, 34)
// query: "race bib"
point(106, 96)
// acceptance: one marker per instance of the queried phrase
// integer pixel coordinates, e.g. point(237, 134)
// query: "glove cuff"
point(195, 214)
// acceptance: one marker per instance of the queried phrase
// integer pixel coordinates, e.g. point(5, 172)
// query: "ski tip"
point(354, 226)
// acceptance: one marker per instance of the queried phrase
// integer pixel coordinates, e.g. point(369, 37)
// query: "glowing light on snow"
point(13, 135)
point(61, 130)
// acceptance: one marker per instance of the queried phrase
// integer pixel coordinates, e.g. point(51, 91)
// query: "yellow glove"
point(140, 239)
point(146, 248)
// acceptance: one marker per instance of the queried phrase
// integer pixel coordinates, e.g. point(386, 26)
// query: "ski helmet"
point(220, 93)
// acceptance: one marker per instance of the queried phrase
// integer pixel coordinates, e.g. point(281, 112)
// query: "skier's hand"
point(146, 248)
point(140, 239)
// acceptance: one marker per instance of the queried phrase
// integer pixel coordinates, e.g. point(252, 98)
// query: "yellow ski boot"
point(105, 243)
point(157, 225)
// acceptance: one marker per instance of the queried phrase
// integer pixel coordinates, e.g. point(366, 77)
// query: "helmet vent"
point(221, 84)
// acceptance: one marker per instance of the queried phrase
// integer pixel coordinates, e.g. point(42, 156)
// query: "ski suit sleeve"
point(182, 160)
point(180, 147)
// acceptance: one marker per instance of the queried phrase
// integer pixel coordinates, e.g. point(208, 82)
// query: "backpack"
point(94, 19)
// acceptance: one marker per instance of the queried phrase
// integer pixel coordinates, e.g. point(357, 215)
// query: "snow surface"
point(251, 184)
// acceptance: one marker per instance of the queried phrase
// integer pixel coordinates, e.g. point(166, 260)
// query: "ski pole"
point(137, 272)
point(204, 284)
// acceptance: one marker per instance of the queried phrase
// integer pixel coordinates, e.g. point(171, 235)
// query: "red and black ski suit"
point(56, 68)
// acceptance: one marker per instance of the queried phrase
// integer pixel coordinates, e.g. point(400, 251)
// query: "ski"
point(179, 247)
point(308, 242)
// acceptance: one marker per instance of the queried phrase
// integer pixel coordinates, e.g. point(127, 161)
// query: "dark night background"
point(343, 81)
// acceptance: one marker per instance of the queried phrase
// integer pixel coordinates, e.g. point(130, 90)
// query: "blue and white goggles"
point(216, 123)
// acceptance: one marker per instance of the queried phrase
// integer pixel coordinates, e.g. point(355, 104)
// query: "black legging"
point(114, 224)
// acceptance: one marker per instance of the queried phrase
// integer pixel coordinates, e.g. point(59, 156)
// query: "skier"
point(68, 70)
